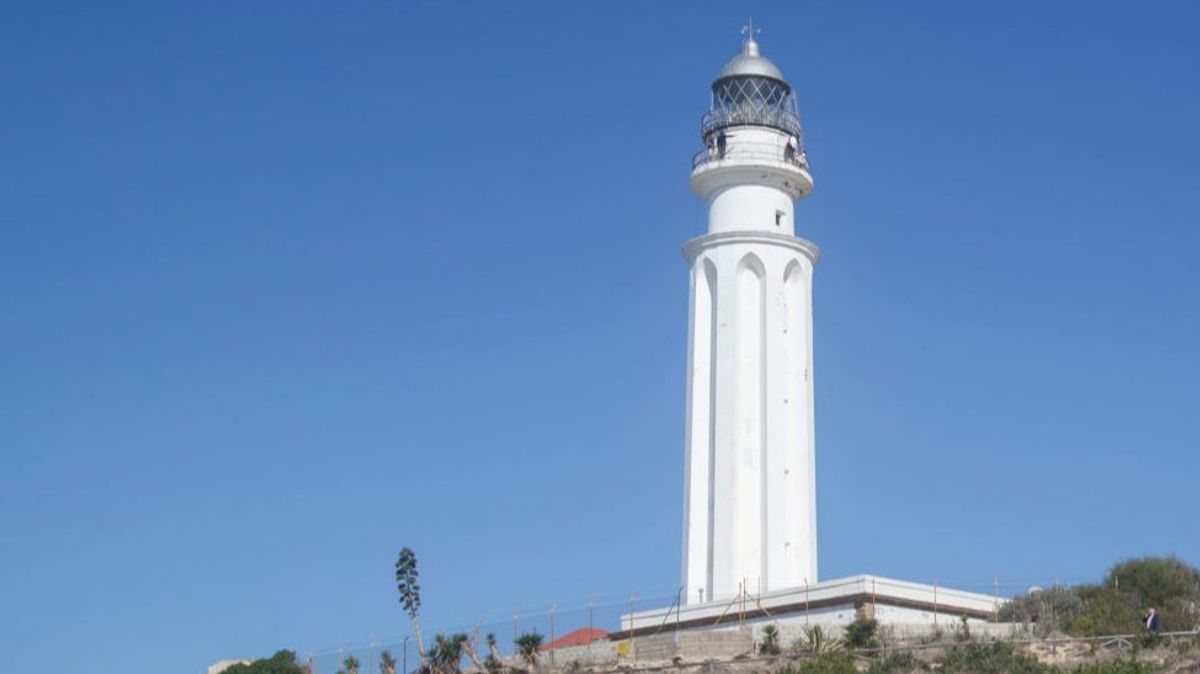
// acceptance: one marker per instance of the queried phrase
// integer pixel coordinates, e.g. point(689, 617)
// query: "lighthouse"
point(750, 492)
point(749, 503)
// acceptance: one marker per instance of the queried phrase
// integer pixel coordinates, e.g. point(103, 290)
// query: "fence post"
point(552, 649)
point(679, 606)
point(935, 605)
point(632, 639)
point(996, 602)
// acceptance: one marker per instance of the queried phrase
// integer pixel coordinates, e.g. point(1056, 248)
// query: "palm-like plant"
point(492, 663)
point(770, 641)
point(447, 653)
point(387, 663)
point(527, 645)
point(410, 593)
point(350, 665)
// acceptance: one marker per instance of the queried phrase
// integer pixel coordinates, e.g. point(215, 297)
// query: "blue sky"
point(285, 286)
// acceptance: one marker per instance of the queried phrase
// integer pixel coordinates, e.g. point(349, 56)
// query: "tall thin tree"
point(410, 593)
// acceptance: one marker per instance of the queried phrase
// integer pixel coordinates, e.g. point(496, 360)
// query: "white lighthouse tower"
point(750, 495)
point(749, 510)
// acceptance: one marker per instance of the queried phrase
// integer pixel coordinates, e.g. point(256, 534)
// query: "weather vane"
point(749, 30)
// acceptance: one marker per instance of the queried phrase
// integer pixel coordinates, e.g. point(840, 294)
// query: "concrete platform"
point(831, 602)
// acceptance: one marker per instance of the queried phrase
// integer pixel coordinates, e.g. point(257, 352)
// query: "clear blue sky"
point(285, 286)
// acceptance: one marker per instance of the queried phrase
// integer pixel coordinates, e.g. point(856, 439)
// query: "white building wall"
point(750, 506)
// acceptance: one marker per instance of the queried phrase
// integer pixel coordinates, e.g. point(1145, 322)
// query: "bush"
point(815, 640)
point(283, 662)
point(1104, 611)
point(1185, 646)
point(1049, 609)
point(828, 663)
point(1155, 581)
point(770, 641)
point(995, 658)
point(1117, 605)
point(1130, 666)
point(861, 633)
point(898, 663)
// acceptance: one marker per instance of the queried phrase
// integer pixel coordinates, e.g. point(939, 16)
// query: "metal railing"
point(751, 152)
point(753, 115)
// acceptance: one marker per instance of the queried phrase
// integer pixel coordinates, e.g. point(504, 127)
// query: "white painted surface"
point(222, 665)
point(941, 606)
point(750, 499)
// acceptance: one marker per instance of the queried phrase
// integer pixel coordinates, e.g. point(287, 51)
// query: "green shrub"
point(1117, 605)
point(1049, 609)
point(994, 658)
point(1185, 646)
point(1104, 611)
point(770, 641)
point(1130, 666)
point(815, 640)
point(897, 663)
point(828, 663)
point(1155, 581)
point(860, 633)
point(283, 662)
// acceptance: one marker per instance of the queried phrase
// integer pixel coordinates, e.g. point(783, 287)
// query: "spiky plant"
point(410, 593)
point(815, 640)
point(447, 652)
point(770, 641)
point(387, 663)
point(527, 646)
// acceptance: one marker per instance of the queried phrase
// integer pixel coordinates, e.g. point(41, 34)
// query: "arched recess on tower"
point(701, 430)
point(750, 429)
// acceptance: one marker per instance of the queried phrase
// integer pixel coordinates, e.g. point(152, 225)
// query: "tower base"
point(901, 605)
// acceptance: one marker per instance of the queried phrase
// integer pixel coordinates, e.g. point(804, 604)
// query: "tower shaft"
point(750, 492)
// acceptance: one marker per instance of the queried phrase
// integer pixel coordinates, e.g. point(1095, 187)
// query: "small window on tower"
point(779, 218)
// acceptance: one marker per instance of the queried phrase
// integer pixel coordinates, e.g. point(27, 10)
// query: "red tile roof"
point(580, 637)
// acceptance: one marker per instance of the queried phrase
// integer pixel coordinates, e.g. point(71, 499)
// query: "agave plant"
point(387, 663)
point(410, 593)
point(447, 653)
point(527, 645)
point(492, 663)
point(814, 640)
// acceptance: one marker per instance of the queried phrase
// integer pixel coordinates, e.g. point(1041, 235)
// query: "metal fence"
point(555, 621)
point(752, 152)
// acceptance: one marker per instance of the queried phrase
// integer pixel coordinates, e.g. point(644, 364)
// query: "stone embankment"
point(734, 652)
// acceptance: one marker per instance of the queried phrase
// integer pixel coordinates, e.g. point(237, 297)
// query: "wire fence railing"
point(579, 624)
